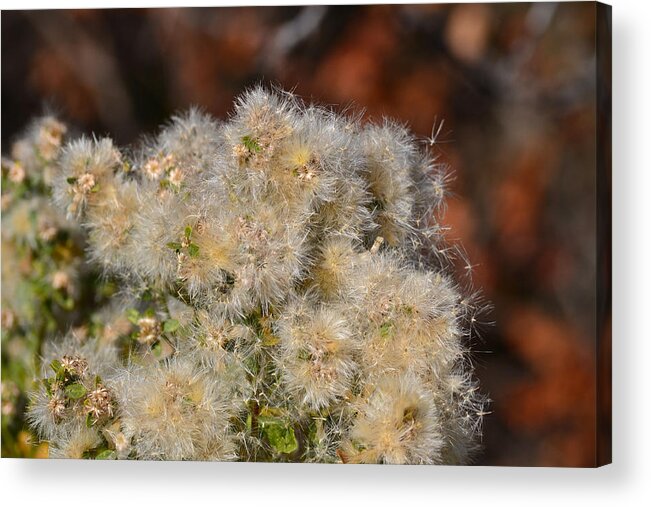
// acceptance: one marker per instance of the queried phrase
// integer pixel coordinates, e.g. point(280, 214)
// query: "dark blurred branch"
point(291, 34)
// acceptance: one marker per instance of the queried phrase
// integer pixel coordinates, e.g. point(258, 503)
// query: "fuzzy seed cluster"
point(286, 291)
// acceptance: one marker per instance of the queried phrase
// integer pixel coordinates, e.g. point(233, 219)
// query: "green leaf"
point(89, 420)
point(304, 355)
point(386, 329)
point(251, 144)
point(171, 325)
point(157, 349)
point(56, 365)
point(106, 454)
point(188, 231)
point(71, 180)
point(282, 438)
point(75, 391)
point(133, 316)
point(174, 245)
point(268, 421)
point(68, 304)
point(313, 432)
point(47, 382)
point(193, 250)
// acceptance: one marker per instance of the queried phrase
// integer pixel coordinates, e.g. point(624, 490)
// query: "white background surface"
point(626, 482)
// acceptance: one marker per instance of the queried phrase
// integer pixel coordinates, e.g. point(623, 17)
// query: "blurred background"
point(509, 88)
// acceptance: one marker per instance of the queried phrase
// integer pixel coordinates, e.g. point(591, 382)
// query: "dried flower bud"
point(150, 330)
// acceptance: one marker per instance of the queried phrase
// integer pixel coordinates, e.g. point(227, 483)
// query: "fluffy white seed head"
point(397, 423)
point(73, 388)
point(159, 223)
point(110, 225)
point(75, 443)
point(408, 320)
point(317, 353)
point(34, 155)
point(174, 411)
point(391, 155)
point(86, 176)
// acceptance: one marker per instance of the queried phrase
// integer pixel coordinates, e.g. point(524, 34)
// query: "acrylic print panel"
point(352, 234)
